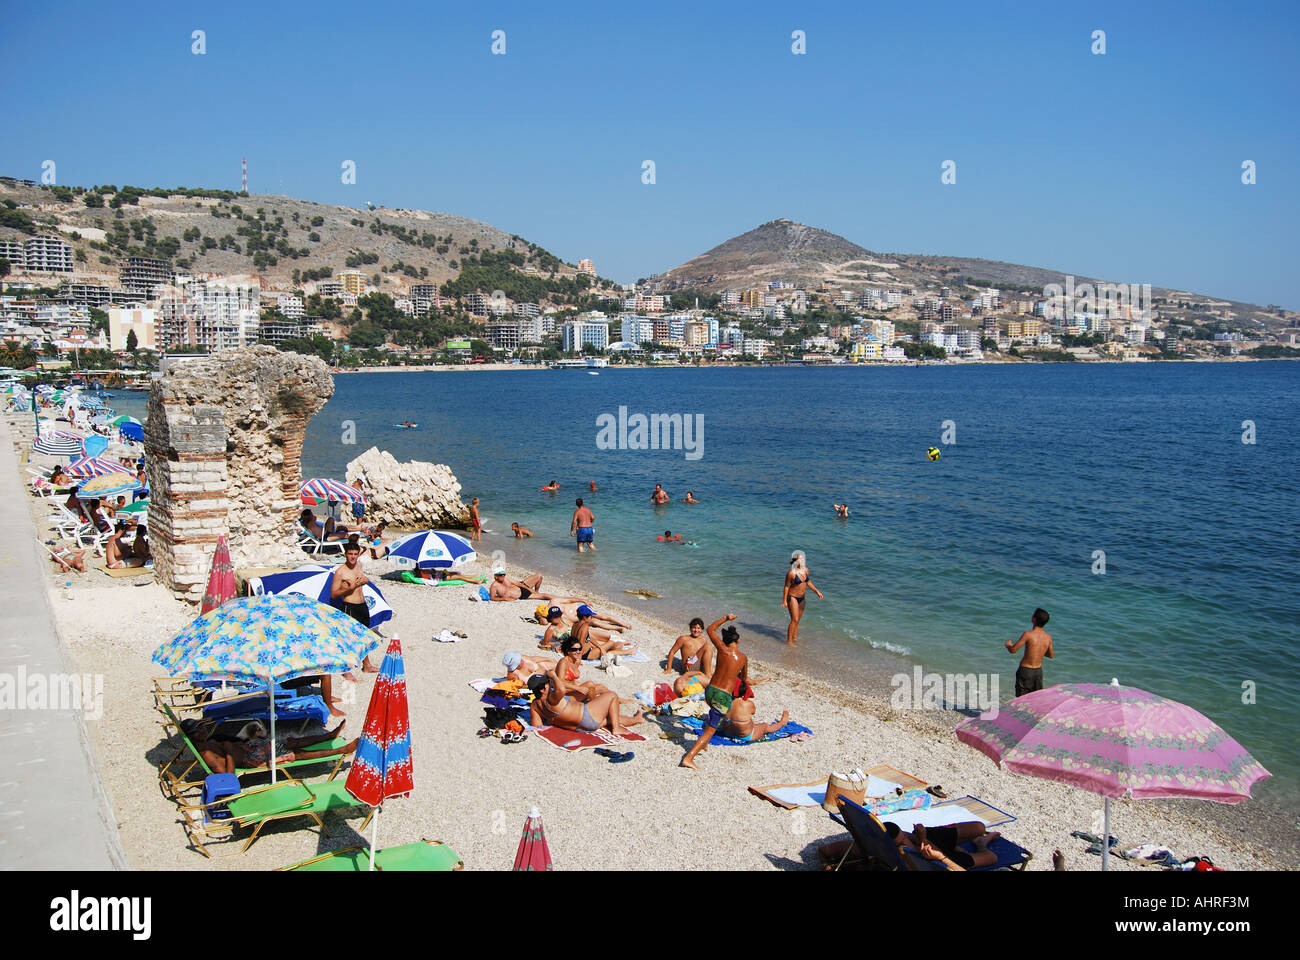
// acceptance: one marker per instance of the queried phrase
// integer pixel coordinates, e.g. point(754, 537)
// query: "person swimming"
point(669, 537)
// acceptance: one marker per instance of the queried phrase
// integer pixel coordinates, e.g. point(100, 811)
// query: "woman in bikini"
point(797, 581)
point(559, 704)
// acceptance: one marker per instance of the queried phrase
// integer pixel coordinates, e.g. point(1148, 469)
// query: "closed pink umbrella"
point(533, 853)
point(221, 579)
point(1115, 741)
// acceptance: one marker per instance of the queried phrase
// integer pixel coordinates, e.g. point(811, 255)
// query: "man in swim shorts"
point(504, 589)
point(1038, 644)
point(732, 665)
point(659, 496)
point(695, 649)
point(583, 527)
point(940, 843)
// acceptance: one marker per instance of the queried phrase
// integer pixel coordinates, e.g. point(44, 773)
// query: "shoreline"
point(473, 794)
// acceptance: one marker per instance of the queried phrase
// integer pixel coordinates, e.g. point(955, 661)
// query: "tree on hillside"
point(93, 199)
point(98, 320)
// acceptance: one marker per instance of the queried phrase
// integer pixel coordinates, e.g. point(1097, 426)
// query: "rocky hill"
point(267, 235)
point(808, 257)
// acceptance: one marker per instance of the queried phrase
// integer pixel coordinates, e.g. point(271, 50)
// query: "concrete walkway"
point(53, 811)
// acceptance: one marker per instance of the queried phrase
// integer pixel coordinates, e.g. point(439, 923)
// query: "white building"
point(638, 330)
point(48, 255)
point(575, 334)
point(290, 306)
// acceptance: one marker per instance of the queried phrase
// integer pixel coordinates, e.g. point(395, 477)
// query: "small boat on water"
point(592, 373)
point(406, 426)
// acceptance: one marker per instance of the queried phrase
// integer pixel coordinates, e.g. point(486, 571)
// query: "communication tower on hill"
point(244, 165)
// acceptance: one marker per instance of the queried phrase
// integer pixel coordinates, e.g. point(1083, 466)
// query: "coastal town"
point(146, 294)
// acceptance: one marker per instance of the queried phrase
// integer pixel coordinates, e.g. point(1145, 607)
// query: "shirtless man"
point(118, 554)
point(720, 693)
point(556, 703)
point(504, 589)
point(520, 532)
point(475, 522)
point(230, 756)
point(659, 496)
point(345, 593)
point(696, 651)
point(521, 668)
point(1038, 644)
point(568, 607)
point(940, 843)
point(583, 527)
point(740, 725)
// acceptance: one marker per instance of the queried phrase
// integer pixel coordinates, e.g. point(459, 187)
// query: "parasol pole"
point(374, 838)
point(1105, 834)
point(270, 692)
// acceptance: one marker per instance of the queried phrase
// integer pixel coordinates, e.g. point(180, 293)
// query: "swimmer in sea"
point(841, 511)
point(551, 487)
point(669, 538)
point(520, 532)
point(592, 484)
point(659, 496)
point(689, 498)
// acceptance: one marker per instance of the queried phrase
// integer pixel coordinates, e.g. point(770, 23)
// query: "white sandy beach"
point(648, 813)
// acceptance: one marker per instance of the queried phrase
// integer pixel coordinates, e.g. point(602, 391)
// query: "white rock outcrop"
point(412, 495)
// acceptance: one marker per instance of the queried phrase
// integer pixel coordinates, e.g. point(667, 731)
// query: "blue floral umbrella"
point(267, 639)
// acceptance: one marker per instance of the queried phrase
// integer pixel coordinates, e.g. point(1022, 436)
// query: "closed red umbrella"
point(533, 854)
point(221, 579)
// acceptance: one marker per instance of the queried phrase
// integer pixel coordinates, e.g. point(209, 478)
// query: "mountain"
point(807, 257)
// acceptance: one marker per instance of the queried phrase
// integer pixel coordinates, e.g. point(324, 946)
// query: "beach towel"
point(127, 571)
point(478, 686)
point(910, 801)
point(789, 730)
point(409, 576)
point(883, 778)
point(575, 740)
point(637, 657)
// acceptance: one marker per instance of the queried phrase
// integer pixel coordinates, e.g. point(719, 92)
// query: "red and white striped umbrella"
point(95, 467)
point(323, 489)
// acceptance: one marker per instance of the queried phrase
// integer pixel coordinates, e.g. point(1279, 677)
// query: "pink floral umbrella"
point(1117, 742)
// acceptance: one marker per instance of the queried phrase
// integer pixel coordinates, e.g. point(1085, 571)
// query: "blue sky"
point(1125, 166)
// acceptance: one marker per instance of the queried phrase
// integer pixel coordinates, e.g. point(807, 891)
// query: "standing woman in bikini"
point(797, 581)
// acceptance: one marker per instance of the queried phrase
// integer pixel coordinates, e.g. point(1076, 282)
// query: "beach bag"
point(852, 785)
point(663, 693)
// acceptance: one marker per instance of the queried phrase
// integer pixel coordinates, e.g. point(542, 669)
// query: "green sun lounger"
point(262, 805)
point(173, 773)
point(426, 855)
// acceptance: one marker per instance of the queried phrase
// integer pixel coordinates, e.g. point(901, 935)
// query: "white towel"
point(942, 816)
point(637, 657)
point(876, 787)
point(446, 637)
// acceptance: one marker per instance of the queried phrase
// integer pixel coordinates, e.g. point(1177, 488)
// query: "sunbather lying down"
point(559, 704)
point(940, 843)
point(230, 756)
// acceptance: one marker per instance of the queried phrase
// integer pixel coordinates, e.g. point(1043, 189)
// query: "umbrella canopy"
point(315, 580)
point(107, 485)
point(57, 446)
point(1115, 741)
point(533, 854)
point(221, 578)
point(50, 432)
point(267, 638)
point(132, 431)
point(323, 489)
point(95, 467)
point(95, 445)
point(118, 421)
point(430, 549)
point(140, 506)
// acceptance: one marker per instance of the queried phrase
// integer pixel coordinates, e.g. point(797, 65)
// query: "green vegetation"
point(1273, 351)
point(924, 351)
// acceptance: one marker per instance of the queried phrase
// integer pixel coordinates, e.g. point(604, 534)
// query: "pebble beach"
point(648, 813)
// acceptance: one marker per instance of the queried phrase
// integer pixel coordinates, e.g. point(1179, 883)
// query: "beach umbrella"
point(221, 578)
point(429, 549)
point(381, 767)
point(1117, 742)
point(267, 639)
point(94, 445)
point(132, 431)
point(533, 853)
point(118, 421)
point(140, 506)
point(95, 467)
point(323, 489)
point(315, 580)
point(47, 431)
point(57, 446)
point(107, 485)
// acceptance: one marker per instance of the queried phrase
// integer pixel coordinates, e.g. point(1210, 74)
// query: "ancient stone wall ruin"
point(223, 441)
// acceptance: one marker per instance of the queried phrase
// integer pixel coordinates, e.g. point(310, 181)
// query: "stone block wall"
point(223, 444)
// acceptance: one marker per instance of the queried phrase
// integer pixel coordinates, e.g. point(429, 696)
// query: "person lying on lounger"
point(940, 843)
point(229, 756)
point(325, 529)
point(69, 559)
point(557, 704)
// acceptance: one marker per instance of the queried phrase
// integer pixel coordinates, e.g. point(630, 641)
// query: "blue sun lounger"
point(873, 843)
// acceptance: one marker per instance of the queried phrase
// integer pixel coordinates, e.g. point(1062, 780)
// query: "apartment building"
point(290, 306)
point(504, 334)
point(353, 281)
point(140, 275)
point(140, 320)
point(575, 334)
point(47, 255)
point(587, 267)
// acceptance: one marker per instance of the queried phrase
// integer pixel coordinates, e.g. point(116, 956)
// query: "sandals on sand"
point(613, 755)
point(510, 736)
point(937, 791)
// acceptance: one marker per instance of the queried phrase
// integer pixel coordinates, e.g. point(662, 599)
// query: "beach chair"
point(263, 805)
point(176, 774)
point(316, 545)
point(426, 855)
point(874, 844)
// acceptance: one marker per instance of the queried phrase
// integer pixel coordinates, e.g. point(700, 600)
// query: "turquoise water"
point(941, 561)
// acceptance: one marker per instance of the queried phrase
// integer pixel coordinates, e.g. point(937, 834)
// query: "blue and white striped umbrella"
point(88, 402)
point(56, 445)
point(431, 549)
point(314, 580)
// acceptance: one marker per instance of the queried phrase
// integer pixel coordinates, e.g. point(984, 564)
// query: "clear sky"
point(1126, 166)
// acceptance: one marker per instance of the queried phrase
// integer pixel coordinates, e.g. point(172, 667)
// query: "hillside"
point(807, 256)
point(272, 236)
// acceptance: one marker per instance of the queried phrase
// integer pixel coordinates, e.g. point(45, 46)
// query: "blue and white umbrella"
point(314, 580)
point(56, 445)
point(431, 549)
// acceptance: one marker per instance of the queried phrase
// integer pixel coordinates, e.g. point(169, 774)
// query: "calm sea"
point(941, 561)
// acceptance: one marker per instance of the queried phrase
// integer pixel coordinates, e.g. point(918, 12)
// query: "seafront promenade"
point(53, 811)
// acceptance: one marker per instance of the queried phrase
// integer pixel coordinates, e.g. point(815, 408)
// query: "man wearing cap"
point(596, 641)
point(504, 589)
point(521, 668)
